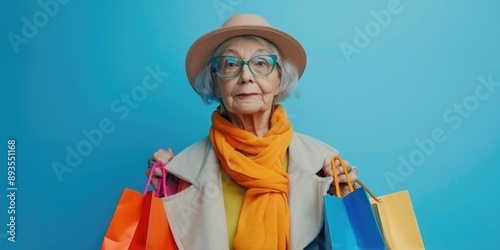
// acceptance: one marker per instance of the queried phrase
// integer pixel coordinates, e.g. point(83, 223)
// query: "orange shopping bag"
point(140, 221)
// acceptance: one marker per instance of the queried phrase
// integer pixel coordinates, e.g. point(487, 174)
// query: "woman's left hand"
point(353, 175)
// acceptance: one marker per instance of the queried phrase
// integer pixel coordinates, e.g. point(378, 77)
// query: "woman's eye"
point(231, 64)
point(260, 63)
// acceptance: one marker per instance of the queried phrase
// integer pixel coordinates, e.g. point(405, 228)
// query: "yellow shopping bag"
point(397, 220)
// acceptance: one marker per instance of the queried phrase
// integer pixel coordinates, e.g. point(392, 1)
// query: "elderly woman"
point(253, 183)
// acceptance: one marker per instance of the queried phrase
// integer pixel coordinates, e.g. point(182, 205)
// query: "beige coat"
point(196, 215)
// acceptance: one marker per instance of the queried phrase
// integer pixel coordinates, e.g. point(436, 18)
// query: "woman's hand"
point(328, 171)
point(163, 156)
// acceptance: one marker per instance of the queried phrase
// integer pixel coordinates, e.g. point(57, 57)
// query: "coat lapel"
point(305, 198)
point(197, 214)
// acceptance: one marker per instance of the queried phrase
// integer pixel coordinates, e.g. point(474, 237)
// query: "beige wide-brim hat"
point(240, 25)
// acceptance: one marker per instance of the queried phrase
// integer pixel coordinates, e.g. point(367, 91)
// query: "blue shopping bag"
point(349, 221)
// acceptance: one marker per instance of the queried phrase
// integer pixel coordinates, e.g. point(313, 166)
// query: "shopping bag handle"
point(352, 186)
point(368, 191)
point(162, 186)
point(335, 177)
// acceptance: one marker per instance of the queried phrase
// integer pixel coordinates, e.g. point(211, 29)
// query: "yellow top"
point(234, 194)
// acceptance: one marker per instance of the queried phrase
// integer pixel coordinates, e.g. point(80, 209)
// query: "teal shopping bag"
point(349, 221)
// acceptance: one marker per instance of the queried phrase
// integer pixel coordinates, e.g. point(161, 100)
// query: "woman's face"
point(245, 93)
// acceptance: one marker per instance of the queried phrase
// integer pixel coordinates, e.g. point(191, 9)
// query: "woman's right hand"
point(163, 156)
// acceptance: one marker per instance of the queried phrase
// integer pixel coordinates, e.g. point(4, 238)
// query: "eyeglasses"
point(230, 66)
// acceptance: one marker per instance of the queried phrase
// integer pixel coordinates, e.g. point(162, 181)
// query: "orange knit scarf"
point(264, 221)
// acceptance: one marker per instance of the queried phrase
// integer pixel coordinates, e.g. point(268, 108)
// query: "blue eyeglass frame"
point(242, 63)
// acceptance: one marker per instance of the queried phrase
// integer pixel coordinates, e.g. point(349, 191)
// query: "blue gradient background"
point(425, 61)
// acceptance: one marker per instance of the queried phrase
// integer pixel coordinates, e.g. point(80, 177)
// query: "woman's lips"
point(246, 94)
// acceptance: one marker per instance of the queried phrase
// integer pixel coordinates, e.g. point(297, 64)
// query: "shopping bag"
point(139, 221)
point(397, 221)
point(349, 221)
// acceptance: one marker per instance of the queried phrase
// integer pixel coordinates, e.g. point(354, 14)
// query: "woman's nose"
point(246, 74)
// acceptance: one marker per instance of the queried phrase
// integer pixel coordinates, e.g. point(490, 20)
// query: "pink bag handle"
point(162, 186)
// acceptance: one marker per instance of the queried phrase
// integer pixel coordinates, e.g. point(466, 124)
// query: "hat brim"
point(289, 48)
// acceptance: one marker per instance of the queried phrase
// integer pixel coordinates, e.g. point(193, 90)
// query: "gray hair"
point(204, 85)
